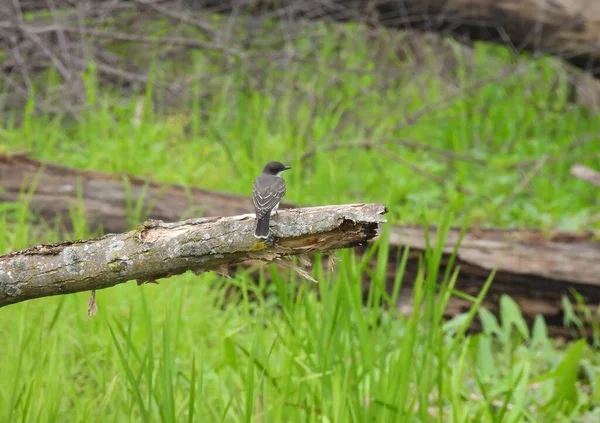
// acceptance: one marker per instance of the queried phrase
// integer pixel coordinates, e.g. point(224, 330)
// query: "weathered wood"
point(534, 268)
point(586, 174)
point(560, 256)
point(569, 29)
point(158, 250)
point(104, 196)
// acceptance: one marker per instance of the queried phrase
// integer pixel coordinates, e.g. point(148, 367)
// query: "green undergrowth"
point(203, 348)
point(503, 145)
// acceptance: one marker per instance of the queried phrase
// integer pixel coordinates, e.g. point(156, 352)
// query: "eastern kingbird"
point(267, 191)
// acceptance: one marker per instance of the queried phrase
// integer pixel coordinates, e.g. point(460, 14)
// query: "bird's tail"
point(262, 227)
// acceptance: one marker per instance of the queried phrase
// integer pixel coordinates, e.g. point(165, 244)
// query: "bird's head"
point(275, 168)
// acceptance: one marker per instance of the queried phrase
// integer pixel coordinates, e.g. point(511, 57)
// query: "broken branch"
point(158, 250)
point(586, 174)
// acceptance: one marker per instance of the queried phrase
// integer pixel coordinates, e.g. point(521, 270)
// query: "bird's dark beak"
point(287, 167)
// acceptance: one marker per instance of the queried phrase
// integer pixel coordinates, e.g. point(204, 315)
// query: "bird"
point(267, 191)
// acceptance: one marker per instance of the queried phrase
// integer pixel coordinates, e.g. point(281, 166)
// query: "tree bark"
point(536, 269)
point(104, 197)
point(158, 250)
point(569, 29)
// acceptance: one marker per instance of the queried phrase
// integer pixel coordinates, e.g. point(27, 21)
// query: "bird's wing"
point(267, 196)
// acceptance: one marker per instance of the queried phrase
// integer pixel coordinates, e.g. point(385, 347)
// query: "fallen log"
point(104, 197)
point(536, 269)
point(159, 250)
point(568, 29)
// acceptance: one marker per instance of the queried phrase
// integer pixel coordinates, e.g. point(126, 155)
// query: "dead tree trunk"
point(104, 196)
point(158, 250)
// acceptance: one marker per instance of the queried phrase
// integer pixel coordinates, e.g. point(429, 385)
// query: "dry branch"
point(586, 174)
point(158, 250)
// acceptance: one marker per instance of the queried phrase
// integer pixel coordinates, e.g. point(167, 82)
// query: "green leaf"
point(511, 316)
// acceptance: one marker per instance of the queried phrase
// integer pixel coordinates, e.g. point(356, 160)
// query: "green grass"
point(203, 348)
point(191, 349)
point(230, 128)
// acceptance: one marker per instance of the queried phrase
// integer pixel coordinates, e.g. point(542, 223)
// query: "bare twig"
point(62, 69)
point(526, 180)
point(180, 16)
point(586, 174)
point(560, 156)
point(290, 265)
point(418, 170)
point(378, 146)
point(121, 36)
